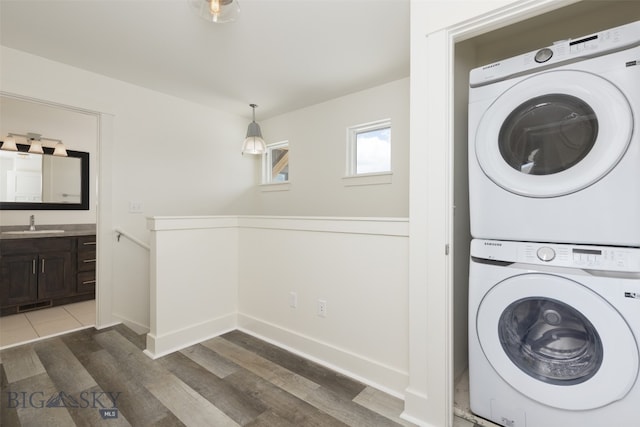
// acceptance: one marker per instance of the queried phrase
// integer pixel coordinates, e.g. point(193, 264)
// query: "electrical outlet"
point(322, 308)
point(293, 299)
point(135, 206)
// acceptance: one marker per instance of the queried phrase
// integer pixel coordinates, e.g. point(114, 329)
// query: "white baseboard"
point(107, 325)
point(377, 375)
point(136, 327)
point(416, 400)
point(158, 346)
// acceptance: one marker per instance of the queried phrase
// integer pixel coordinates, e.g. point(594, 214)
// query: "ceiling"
point(280, 54)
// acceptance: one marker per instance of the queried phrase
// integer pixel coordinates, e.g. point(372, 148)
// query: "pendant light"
point(253, 143)
point(217, 11)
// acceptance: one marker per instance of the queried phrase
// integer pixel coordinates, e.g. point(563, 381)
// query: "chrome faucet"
point(32, 223)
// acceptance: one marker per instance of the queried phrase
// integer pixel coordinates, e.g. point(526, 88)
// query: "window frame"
point(267, 167)
point(352, 147)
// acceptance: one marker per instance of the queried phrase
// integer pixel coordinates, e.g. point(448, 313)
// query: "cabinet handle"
point(43, 265)
point(33, 266)
point(87, 261)
point(89, 243)
point(89, 282)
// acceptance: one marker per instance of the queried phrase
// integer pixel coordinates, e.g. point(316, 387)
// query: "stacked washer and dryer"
point(554, 190)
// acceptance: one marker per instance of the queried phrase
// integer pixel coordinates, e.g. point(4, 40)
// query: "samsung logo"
point(492, 244)
point(486, 67)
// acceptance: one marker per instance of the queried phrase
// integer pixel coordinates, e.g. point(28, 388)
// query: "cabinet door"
point(18, 279)
point(54, 275)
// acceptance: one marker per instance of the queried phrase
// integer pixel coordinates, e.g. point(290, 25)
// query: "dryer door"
point(554, 133)
point(557, 342)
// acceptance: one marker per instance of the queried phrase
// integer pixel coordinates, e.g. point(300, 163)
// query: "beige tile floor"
point(33, 325)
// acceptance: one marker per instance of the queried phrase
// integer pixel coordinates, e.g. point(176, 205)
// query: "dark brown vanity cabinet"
point(42, 272)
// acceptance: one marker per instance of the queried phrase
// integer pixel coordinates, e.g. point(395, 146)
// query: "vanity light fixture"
point(253, 143)
point(9, 144)
point(217, 11)
point(35, 144)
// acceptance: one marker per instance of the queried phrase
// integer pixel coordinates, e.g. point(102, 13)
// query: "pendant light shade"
point(253, 143)
point(9, 144)
point(218, 11)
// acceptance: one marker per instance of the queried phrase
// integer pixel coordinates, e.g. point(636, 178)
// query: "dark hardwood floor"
point(102, 378)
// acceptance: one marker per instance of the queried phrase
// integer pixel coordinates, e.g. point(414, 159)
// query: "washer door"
point(554, 133)
point(577, 356)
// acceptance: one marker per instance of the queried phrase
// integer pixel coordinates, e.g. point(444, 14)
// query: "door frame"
point(104, 224)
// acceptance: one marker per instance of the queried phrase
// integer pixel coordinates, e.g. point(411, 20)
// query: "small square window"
point(369, 148)
point(275, 163)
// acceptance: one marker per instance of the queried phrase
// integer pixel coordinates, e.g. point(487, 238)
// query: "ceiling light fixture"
point(35, 144)
point(218, 11)
point(253, 143)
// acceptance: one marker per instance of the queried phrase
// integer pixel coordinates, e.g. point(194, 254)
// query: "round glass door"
point(548, 134)
point(554, 133)
point(557, 342)
point(550, 341)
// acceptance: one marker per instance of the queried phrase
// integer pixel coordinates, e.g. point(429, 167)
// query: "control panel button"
point(543, 55)
point(546, 253)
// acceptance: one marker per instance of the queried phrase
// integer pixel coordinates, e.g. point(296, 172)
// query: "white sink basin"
point(33, 231)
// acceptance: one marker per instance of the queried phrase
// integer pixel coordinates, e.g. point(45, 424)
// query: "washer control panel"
point(559, 255)
point(561, 52)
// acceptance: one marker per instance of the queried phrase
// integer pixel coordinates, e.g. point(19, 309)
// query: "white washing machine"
point(553, 334)
point(554, 143)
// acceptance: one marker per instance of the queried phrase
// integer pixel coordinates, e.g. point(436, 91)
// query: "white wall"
point(194, 281)
point(358, 266)
point(213, 274)
point(317, 138)
point(78, 131)
point(434, 15)
point(174, 156)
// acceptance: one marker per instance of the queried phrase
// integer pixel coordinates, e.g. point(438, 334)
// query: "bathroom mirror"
point(43, 181)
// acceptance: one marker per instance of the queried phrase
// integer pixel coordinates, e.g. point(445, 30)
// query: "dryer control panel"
point(561, 52)
point(585, 257)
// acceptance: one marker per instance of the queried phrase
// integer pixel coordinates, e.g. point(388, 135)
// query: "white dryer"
point(553, 334)
point(554, 143)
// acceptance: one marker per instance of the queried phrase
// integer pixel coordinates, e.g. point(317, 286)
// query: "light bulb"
point(214, 8)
